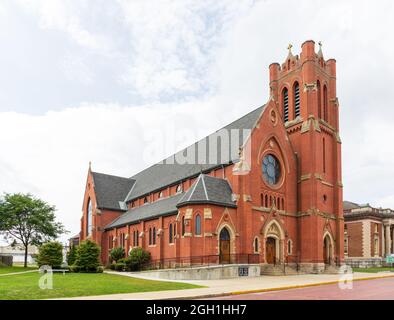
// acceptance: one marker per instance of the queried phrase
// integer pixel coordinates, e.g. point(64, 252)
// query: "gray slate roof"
point(347, 205)
point(110, 190)
point(148, 211)
point(207, 189)
point(170, 171)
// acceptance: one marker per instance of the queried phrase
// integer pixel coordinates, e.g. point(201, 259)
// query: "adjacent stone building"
point(264, 189)
point(369, 233)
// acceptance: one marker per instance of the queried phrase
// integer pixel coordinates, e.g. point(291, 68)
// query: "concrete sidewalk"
point(234, 286)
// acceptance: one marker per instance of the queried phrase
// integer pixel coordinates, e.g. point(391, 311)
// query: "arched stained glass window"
point(198, 225)
point(170, 234)
point(154, 235)
point(271, 169)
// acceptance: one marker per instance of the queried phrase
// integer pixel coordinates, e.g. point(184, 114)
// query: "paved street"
point(377, 289)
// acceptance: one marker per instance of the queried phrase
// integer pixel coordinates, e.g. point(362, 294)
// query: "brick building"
point(369, 232)
point(264, 189)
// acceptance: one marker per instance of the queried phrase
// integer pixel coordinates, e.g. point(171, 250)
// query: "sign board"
point(243, 271)
point(390, 259)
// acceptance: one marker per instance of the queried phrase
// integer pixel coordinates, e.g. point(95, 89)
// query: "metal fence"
point(198, 261)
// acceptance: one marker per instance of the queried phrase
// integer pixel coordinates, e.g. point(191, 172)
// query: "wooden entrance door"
point(224, 246)
point(270, 250)
point(327, 250)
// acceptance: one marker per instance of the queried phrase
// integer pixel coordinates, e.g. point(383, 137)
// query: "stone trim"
point(207, 213)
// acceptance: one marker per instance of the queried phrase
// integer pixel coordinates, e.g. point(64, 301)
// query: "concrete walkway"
point(16, 273)
point(234, 286)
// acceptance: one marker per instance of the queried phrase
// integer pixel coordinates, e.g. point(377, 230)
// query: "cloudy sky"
point(98, 80)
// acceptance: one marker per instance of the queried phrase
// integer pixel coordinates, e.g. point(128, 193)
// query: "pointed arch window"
point(150, 236)
point(89, 224)
point(154, 235)
point(285, 102)
point(170, 234)
point(256, 245)
point(197, 230)
point(183, 226)
point(324, 155)
point(297, 107)
point(318, 99)
point(325, 104)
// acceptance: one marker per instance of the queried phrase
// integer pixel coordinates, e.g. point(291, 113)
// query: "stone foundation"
point(206, 273)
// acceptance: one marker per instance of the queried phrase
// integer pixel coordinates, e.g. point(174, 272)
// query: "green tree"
point(116, 254)
point(28, 220)
point(50, 254)
point(88, 257)
point(71, 255)
point(137, 258)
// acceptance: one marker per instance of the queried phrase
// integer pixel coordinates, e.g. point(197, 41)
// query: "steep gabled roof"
point(169, 172)
point(111, 190)
point(207, 189)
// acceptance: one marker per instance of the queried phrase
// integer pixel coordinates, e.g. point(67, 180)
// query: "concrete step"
point(277, 270)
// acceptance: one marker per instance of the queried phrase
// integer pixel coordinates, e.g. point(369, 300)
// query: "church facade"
point(264, 189)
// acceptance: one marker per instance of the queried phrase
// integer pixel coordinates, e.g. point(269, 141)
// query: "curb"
point(235, 293)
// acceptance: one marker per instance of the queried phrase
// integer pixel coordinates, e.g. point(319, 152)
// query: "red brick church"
point(264, 189)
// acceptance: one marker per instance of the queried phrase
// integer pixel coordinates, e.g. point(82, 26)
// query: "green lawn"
point(14, 269)
point(25, 286)
point(373, 269)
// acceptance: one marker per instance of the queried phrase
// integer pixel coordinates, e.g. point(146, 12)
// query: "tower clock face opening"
point(271, 169)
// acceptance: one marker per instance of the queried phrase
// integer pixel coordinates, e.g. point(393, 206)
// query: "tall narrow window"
point(324, 155)
point(89, 218)
point(198, 225)
point(170, 235)
point(262, 200)
point(150, 236)
point(297, 110)
point(318, 99)
point(325, 104)
point(154, 235)
point(174, 229)
point(285, 101)
point(183, 226)
point(256, 245)
point(266, 201)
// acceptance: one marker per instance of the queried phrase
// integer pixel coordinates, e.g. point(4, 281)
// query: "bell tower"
point(304, 90)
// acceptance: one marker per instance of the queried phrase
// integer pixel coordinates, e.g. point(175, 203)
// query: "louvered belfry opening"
point(285, 105)
point(297, 110)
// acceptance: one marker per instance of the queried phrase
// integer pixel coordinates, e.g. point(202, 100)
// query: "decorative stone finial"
point(90, 165)
point(320, 53)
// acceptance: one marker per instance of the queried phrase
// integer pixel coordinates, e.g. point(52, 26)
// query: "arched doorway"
point(270, 250)
point(327, 250)
point(274, 243)
point(224, 246)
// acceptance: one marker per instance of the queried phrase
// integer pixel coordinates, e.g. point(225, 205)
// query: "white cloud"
point(66, 16)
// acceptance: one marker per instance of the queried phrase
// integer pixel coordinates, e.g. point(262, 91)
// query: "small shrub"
point(137, 258)
point(120, 266)
point(87, 258)
point(50, 254)
point(116, 254)
point(71, 255)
